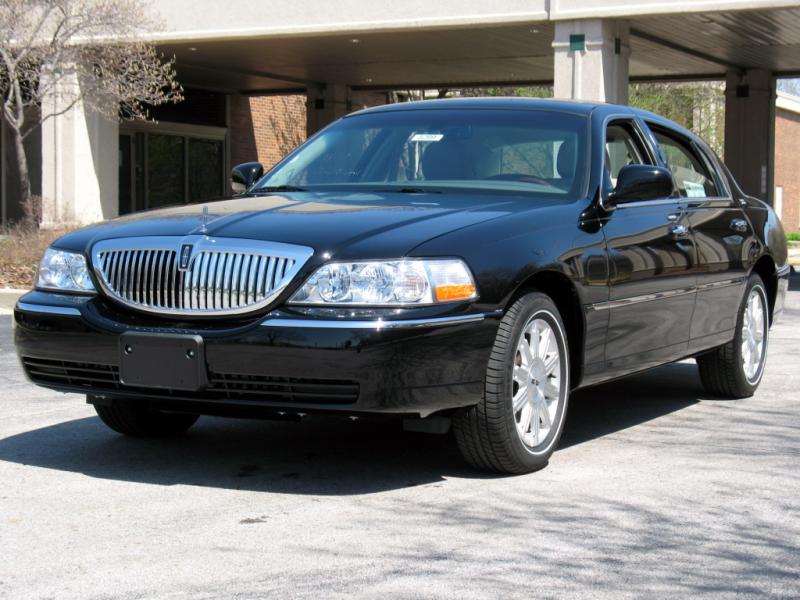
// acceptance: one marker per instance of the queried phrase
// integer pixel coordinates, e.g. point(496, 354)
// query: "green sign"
point(577, 42)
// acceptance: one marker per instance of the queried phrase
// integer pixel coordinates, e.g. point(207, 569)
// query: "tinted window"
point(621, 149)
point(539, 152)
point(692, 177)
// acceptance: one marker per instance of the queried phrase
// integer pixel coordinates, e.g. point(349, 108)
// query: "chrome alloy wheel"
point(754, 337)
point(536, 389)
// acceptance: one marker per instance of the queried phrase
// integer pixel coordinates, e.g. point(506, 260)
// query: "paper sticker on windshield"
point(427, 137)
point(694, 190)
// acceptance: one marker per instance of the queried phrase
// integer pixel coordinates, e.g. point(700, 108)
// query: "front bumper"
point(284, 362)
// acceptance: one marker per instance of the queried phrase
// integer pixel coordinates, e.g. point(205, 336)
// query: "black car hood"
point(344, 225)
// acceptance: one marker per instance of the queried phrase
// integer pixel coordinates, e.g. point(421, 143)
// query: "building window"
point(168, 163)
point(166, 176)
point(205, 164)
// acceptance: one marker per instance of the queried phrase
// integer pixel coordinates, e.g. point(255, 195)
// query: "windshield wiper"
point(411, 190)
point(279, 188)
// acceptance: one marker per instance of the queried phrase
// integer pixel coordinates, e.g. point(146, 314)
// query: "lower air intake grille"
point(222, 386)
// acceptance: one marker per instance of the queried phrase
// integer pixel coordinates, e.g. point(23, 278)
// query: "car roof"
point(576, 107)
point(496, 102)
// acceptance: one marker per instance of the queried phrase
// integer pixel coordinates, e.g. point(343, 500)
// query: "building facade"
point(787, 161)
point(258, 81)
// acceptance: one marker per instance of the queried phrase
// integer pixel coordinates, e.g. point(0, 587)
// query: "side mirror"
point(641, 182)
point(243, 176)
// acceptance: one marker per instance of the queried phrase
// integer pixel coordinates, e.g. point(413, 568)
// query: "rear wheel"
point(140, 421)
point(735, 369)
point(516, 426)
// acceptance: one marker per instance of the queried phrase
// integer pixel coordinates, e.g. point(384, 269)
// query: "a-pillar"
point(326, 104)
point(750, 130)
point(591, 60)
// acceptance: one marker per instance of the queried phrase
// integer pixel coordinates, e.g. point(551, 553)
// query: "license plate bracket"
point(154, 360)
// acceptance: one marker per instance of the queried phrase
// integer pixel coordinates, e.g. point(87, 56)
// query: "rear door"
point(721, 231)
point(652, 258)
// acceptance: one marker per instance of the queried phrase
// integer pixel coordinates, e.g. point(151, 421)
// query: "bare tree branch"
point(59, 54)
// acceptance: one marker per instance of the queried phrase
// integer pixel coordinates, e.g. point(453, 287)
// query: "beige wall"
point(199, 19)
point(208, 19)
point(583, 9)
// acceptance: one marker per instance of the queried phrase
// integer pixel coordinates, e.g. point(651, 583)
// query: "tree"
point(57, 54)
point(535, 91)
point(698, 106)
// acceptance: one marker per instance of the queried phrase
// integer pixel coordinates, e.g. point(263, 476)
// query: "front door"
point(652, 260)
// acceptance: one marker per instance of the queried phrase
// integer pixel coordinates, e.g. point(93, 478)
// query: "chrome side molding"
point(608, 304)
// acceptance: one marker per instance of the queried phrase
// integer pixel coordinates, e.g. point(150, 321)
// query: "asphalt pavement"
point(656, 491)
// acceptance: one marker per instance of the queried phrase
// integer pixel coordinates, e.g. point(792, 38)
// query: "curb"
point(794, 256)
point(8, 298)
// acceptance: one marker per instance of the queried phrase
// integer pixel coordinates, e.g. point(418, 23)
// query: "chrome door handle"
point(739, 225)
point(679, 231)
point(673, 217)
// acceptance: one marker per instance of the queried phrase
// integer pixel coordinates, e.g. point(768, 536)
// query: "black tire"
point(722, 370)
point(487, 433)
point(140, 421)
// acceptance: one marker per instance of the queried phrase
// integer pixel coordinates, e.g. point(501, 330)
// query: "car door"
point(720, 230)
point(652, 258)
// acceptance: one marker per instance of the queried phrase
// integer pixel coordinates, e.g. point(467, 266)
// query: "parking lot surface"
point(656, 490)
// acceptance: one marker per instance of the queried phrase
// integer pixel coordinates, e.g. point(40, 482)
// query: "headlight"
point(388, 283)
point(64, 272)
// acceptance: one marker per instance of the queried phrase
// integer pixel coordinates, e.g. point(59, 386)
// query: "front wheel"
point(735, 369)
point(517, 424)
point(140, 421)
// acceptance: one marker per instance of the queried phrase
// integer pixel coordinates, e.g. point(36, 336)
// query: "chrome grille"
point(222, 275)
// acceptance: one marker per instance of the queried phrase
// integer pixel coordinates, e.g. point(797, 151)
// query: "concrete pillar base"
point(750, 130)
point(591, 60)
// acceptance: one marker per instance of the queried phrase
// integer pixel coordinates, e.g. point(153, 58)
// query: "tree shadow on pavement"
point(324, 455)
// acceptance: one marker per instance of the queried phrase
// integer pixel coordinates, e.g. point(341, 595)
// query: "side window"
point(622, 148)
point(692, 177)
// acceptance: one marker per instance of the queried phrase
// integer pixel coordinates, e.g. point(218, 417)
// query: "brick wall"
point(265, 128)
point(787, 165)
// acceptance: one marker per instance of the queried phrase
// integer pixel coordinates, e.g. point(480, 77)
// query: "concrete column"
point(750, 130)
point(591, 60)
point(325, 105)
point(80, 163)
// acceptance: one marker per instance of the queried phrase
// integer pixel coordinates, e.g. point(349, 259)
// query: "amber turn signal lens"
point(446, 293)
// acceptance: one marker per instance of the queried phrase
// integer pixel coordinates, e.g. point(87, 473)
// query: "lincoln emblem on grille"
point(186, 254)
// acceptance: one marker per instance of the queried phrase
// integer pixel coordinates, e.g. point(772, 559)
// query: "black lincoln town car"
point(463, 263)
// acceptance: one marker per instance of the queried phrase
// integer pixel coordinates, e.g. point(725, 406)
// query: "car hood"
point(344, 225)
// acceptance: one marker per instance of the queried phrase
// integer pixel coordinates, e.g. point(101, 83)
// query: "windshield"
point(433, 150)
